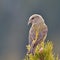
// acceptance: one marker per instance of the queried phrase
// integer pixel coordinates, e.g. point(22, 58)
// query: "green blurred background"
point(14, 16)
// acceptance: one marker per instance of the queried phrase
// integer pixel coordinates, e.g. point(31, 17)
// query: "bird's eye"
point(32, 18)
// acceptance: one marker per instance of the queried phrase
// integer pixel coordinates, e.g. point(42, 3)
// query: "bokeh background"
point(14, 16)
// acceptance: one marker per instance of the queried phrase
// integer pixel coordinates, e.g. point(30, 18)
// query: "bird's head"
point(35, 18)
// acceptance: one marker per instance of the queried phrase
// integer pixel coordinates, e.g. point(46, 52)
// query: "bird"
point(38, 31)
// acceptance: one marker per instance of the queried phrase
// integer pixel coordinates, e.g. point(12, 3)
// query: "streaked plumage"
point(37, 32)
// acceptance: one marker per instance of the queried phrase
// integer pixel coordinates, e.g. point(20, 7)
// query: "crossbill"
point(37, 32)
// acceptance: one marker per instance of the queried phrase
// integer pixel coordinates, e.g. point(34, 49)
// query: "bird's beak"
point(29, 22)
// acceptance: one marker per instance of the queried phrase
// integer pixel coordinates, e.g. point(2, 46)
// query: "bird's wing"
point(43, 33)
